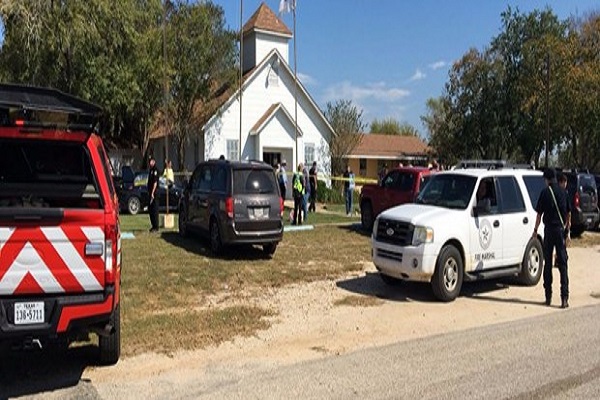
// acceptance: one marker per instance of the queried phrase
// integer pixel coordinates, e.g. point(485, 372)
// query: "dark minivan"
point(584, 201)
point(233, 202)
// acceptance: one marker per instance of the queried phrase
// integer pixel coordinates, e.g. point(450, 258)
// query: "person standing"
point(298, 193)
point(554, 208)
point(312, 174)
point(282, 179)
point(305, 198)
point(348, 189)
point(168, 173)
point(153, 194)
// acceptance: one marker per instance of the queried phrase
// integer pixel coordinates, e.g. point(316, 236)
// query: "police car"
point(465, 225)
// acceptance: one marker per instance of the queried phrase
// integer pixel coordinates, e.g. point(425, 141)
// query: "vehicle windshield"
point(448, 191)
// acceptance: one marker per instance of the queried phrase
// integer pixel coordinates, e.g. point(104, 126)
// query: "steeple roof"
point(265, 19)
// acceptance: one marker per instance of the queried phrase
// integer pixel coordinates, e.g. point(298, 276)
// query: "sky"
point(390, 56)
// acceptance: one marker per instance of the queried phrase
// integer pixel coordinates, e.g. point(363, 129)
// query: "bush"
point(333, 195)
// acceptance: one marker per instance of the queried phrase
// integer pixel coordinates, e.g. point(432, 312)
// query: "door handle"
point(525, 220)
point(496, 224)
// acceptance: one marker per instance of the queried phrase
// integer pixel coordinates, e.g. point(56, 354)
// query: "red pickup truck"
point(399, 186)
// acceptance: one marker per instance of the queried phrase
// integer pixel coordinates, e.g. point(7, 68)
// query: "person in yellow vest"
point(298, 187)
point(168, 173)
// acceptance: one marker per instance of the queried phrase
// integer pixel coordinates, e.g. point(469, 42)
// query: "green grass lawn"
point(166, 280)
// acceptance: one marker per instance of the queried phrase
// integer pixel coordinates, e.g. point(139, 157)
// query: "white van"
point(466, 225)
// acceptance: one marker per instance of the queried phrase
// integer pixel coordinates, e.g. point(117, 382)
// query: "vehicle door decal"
point(485, 234)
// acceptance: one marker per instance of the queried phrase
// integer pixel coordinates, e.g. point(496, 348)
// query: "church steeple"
point(264, 32)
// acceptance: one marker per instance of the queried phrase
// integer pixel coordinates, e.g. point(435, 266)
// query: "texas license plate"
point(29, 313)
point(261, 212)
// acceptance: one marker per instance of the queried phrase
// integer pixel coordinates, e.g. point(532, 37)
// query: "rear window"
point(254, 181)
point(587, 183)
point(534, 184)
point(53, 174)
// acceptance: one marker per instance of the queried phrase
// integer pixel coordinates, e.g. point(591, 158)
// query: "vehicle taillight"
point(229, 207)
point(110, 253)
point(576, 201)
point(281, 207)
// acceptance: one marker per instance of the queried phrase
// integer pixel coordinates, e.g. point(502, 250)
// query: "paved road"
point(552, 356)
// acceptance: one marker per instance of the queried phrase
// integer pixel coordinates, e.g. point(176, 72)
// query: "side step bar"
point(494, 273)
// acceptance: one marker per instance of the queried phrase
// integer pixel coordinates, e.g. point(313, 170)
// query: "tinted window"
point(390, 179)
point(587, 183)
point(219, 183)
point(405, 182)
point(512, 199)
point(36, 173)
point(448, 190)
point(252, 181)
point(534, 184)
point(205, 182)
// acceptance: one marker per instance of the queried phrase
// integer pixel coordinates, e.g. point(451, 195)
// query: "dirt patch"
point(306, 323)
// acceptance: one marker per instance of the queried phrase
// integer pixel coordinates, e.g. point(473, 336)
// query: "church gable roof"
point(264, 19)
point(268, 115)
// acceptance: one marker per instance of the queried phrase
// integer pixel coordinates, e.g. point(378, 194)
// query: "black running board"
point(493, 273)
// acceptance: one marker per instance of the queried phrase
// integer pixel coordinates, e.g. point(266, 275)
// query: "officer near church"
point(153, 194)
point(554, 208)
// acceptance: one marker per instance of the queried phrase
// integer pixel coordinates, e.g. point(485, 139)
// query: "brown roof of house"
point(374, 145)
point(265, 19)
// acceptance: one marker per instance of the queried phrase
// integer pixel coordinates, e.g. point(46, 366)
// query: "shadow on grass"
point(195, 243)
point(355, 227)
point(372, 285)
point(31, 372)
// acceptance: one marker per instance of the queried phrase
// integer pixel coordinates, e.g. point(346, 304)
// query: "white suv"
point(466, 225)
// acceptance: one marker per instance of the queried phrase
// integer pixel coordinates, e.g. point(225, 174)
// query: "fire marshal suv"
point(466, 225)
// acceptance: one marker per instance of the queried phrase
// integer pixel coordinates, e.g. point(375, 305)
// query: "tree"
point(390, 126)
point(202, 57)
point(346, 121)
point(100, 50)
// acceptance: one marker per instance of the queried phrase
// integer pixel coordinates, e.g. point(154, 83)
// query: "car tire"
point(216, 244)
point(533, 263)
point(182, 223)
point(269, 249)
point(110, 346)
point(366, 215)
point(390, 280)
point(448, 276)
point(134, 205)
point(577, 230)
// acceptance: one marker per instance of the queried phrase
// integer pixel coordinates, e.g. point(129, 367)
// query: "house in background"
point(268, 129)
point(374, 151)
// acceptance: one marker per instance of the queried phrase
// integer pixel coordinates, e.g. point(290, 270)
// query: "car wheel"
point(390, 280)
point(577, 230)
point(269, 249)
point(182, 223)
point(216, 245)
point(533, 262)
point(110, 346)
point(134, 205)
point(366, 215)
point(448, 276)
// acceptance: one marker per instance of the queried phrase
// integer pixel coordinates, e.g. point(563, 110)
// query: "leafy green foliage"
point(390, 126)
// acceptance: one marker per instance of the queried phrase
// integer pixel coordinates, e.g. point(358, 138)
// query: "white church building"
point(270, 130)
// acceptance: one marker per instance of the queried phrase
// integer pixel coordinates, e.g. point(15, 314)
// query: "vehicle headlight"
point(422, 234)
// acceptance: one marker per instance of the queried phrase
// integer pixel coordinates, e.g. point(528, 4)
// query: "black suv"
point(233, 202)
point(584, 201)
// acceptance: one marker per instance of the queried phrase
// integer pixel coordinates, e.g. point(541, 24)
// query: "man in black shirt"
point(312, 174)
point(555, 209)
point(153, 194)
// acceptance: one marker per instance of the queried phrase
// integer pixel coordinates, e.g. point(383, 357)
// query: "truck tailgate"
point(52, 253)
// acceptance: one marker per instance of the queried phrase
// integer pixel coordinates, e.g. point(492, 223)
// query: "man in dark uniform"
point(555, 209)
point(153, 194)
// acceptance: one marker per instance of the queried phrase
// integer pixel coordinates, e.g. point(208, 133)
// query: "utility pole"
point(547, 106)
point(241, 73)
point(168, 221)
